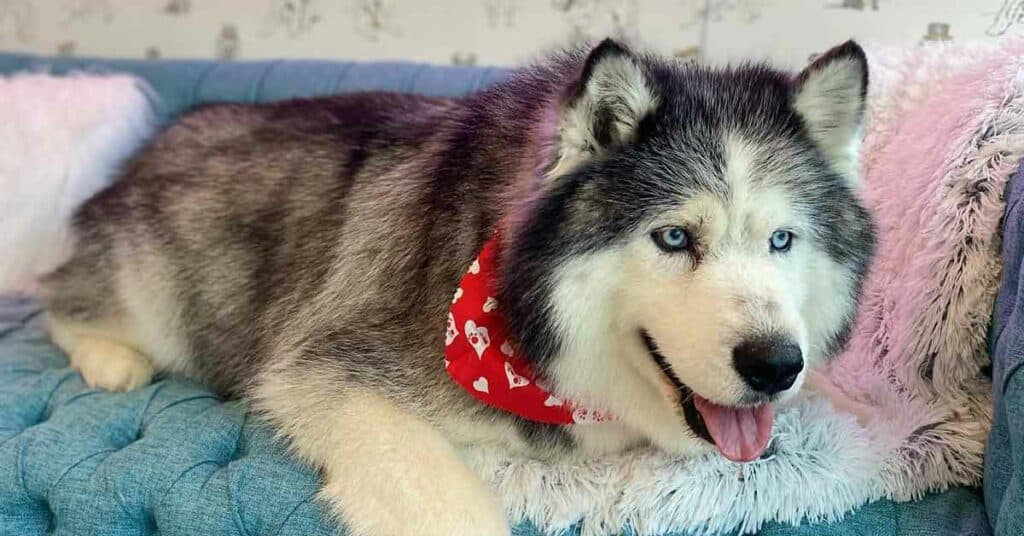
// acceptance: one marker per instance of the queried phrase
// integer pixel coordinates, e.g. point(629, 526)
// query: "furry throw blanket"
point(909, 402)
point(61, 140)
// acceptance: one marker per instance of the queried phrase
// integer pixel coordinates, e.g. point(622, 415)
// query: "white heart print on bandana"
point(475, 267)
point(490, 305)
point(552, 401)
point(481, 385)
point(506, 348)
point(582, 415)
point(514, 380)
point(451, 331)
point(478, 338)
point(458, 294)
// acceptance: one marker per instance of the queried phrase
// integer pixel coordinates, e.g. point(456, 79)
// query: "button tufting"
point(148, 522)
point(47, 510)
point(241, 446)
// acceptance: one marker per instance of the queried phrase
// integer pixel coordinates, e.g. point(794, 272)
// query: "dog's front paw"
point(385, 470)
point(445, 507)
point(111, 366)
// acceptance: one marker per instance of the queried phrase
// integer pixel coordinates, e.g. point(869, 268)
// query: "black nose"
point(768, 364)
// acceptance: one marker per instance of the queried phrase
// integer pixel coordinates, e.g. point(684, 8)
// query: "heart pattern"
point(585, 416)
point(490, 305)
point(451, 331)
point(478, 338)
point(514, 380)
point(483, 358)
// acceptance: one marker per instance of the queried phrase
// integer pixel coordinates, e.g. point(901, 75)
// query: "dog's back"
point(233, 221)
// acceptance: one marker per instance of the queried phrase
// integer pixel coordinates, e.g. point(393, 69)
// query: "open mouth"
point(741, 434)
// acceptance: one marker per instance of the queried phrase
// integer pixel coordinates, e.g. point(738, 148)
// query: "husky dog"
point(681, 244)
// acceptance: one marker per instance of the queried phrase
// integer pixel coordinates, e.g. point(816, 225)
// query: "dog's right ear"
point(604, 107)
point(830, 98)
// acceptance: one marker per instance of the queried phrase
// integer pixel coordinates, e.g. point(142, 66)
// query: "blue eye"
point(671, 239)
point(781, 241)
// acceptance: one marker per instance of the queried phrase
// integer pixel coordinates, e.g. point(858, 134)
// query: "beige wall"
point(482, 31)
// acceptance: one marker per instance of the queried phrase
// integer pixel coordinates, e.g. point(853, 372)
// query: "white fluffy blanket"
point(61, 139)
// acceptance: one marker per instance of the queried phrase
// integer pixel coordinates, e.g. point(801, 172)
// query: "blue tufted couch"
point(173, 459)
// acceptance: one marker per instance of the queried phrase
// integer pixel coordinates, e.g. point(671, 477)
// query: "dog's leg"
point(102, 360)
point(386, 472)
point(105, 364)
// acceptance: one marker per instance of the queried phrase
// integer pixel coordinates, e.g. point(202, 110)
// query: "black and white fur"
point(303, 255)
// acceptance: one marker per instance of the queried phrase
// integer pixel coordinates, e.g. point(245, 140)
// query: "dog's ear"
point(829, 96)
point(605, 106)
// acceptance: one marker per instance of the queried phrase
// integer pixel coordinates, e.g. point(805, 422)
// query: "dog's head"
point(698, 234)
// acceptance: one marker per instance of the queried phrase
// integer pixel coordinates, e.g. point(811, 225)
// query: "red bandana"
point(482, 358)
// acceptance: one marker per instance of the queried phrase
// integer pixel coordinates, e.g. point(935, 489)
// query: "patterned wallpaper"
point(483, 31)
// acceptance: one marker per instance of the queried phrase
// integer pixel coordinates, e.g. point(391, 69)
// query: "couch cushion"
point(171, 458)
point(181, 84)
point(1004, 456)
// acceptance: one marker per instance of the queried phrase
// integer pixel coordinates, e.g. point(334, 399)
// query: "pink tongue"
point(741, 434)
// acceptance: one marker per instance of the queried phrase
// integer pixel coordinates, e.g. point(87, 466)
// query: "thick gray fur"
point(315, 244)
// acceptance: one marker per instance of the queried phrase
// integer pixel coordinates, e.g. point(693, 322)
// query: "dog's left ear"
point(829, 97)
point(605, 106)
